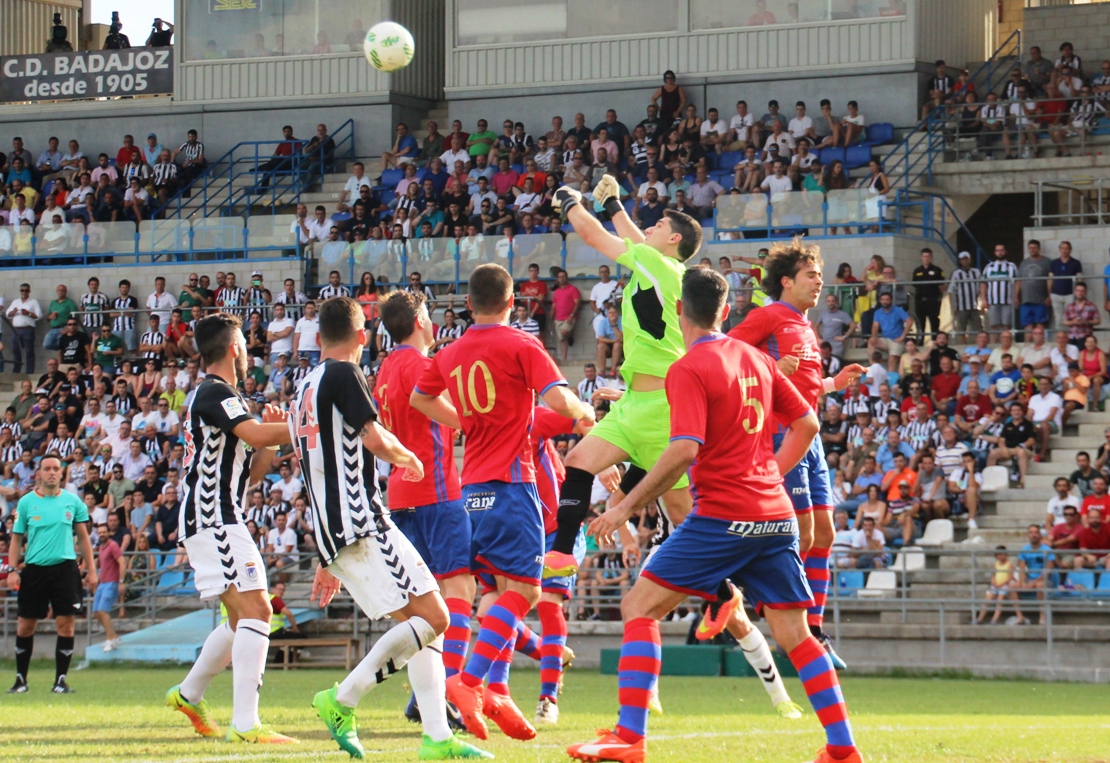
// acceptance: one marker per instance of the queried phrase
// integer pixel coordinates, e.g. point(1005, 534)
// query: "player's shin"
point(818, 676)
point(391, 652)
point(637, 674)
point(817, 575)
point(248, 654)
point(428, 680)
point(498, 676)
point(456, 639)
point(63, 655)
point(758, 655)
point(574, 505)
point(554, 626)
point(498, 629)
point(527, 642)
point(214, 656)
point(24, 647)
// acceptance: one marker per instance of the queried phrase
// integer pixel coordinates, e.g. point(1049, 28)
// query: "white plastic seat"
point(995, 478)
point(909, 560)
point(937, 532)
point(880, 584)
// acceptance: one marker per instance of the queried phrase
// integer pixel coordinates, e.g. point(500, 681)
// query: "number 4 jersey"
point(492, 375)
point(724, 395)
point(326, 418)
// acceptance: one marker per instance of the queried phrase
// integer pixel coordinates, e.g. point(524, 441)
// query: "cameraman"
point(161, 35)
point(116, 40)
point(58, 34)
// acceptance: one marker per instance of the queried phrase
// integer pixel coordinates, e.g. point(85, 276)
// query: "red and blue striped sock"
point(637, 672)
point(456, 639)
point(553, 623)
point(498, 675)
point(527, 642)
point(818, 676)
point(498, 630)
point(817, 575)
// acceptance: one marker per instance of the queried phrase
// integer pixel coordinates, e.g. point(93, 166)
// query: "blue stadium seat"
point(420, 175)
point(729, 159)
point(711, 160)
point(724, 177)
point(831, 154)
point(1102, 128)
point(341, 216)
point(629, 204)
point(879, 133)
point(387, 196)
point(391, 177)
point(518, 168)
point(848, 582)
point(1103, 589)
point(857, 156)
point(1082, 578)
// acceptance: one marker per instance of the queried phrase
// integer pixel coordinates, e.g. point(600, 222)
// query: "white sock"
point(214, 656)
point(248, 663)
point(395, 648)
point(429, 683)
point(758, 655)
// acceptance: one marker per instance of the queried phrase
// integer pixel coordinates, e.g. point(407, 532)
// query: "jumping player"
point(335, 432)
point(218, 430)
point(793, 279)
point(725, 398)
point(430, 513)
point(491, 375)
point(636, 428)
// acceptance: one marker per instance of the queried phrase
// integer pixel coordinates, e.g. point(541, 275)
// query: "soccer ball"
point(388, 46)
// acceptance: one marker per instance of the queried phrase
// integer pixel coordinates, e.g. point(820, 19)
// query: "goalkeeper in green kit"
point(637, 428)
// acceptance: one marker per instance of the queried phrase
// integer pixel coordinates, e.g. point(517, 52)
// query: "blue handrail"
point(217, 185)
point(992, 65)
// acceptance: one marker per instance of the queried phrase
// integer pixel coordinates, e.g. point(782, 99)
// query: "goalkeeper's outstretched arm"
point(587, 226)
point(608, 194)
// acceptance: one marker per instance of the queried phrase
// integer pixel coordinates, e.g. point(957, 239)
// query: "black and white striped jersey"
point(190, 152)
point(153, 337)
point(963, 285)
point(126, 306)
point(331, 292)
point(1000, 276)
point(326, 418)
point(92, 309)
point(217, 463)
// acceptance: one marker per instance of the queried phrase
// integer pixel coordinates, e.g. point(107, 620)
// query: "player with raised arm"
point(430, 512)
point(221, 438)
point(492, 375)
point(725, 398)
point(793, 279)
point(336, 435)
point(636, 428)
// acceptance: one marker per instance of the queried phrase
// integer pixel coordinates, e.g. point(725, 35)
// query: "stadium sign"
point(89, 74)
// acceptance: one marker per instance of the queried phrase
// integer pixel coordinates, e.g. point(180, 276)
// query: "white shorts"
point(382, 573)
point(222, 557)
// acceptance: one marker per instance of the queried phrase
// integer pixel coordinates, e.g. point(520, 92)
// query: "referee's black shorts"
point(44, 586)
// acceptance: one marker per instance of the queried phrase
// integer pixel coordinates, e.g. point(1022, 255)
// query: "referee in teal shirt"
point(47, 518)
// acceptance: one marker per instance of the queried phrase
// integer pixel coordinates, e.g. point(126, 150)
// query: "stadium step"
point(923, 618)
point(1013, 538)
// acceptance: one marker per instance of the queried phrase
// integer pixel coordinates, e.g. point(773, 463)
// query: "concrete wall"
point(889, 96)
point(1084, 26)
point(101, 125)
point(1013, 18)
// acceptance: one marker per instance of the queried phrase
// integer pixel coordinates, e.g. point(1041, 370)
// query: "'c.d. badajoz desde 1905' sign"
point(89, 74)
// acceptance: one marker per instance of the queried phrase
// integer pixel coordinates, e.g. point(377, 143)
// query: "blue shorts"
point(506, 530)
point(440, 532)
point(760, 557)
point(106, 597)
point(565, 585)
point(1033, 313)
point(808, 483)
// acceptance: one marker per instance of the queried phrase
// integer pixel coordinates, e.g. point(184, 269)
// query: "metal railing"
point(995, 69)
point(236, 178)
point(1088, 202)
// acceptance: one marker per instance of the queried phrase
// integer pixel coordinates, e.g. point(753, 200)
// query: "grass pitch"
point(117, 715)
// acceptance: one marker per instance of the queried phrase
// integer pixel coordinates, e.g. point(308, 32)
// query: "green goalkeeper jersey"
point(652, 337)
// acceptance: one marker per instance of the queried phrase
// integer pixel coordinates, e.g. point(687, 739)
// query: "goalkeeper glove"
point(565, 199)
point(608, 194)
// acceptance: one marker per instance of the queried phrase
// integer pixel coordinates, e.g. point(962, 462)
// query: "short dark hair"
point(399, 311)
point(704, 293)
point(784, 261)
point(214, 335)
point(690, 230)
point(491, 288)
point(340, 318)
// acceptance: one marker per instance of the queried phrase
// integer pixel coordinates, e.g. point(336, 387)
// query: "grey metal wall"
point(25, 25)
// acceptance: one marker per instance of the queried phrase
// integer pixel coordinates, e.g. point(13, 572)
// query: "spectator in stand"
point(997, 291)
point(434, 144)
point(610, 340)
point(536, 291)
point(1065, 537)
point(304, 335)
point(893, 324)
point(565, 300)
point(1059, 503)
point(1045, 410)
point(1023, 117)
point(945, 388)
point(1018, 439)
point(522, 321)
point(1097, 499)
point(1094, 540)
point(1002, 586)
point(1080, 316)
point(23, 314)
point(1076, 388)
point(1092, 362)
point(834, 325)
point(1031, 287)
point(928, 282)
point(703, 193)
point(405, 149)
point(1034, 561)
point(1083, 477)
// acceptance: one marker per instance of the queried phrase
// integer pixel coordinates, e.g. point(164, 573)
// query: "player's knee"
point(25, 627)
point(437, 616)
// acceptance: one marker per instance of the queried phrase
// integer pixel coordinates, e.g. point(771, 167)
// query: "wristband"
point(828, 384)
point(612, 206)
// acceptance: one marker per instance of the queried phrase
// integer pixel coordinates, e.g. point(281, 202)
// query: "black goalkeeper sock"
point(24, 646)
point(63, 653)
point(574, 505)
point(724, 595)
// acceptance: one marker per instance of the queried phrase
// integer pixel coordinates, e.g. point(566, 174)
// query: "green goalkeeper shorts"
point(640, 425)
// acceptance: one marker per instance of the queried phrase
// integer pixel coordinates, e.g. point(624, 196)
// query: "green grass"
point(117, 715)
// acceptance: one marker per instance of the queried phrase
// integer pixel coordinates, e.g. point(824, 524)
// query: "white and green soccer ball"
point(388, 46)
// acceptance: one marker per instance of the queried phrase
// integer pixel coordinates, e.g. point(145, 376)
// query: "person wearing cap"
point(903, 505)
point(963, 286)
point(152, 150)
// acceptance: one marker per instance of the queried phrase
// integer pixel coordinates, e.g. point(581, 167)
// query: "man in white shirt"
point(1046, 411)
point(778, 182)
point(289, 486)
point(319, 226)
point(1023, 116)
point(784, 140)
point(134, 461)
point(602, 292)
point(1057, 503)
point(1061, 355)
point(742, 128)
point(23, 314)
point(456, 153)
point(77, 200)
point(304, 334)
point(714, 133)
point(279, 333)
point(120, 442)
point(351, 189)
point(20, 211)
point(144, 414)
point(111, 420)
point(282, 542)
point(801, 126)
point(653, 181)
point(161, 302)
point(165, 420)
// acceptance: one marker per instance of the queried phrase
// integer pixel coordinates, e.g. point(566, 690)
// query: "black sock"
point(24, 646)
point(574, 505)
point(632, 476)
point(815, 631)
point(724, 595)
point(63, 653)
